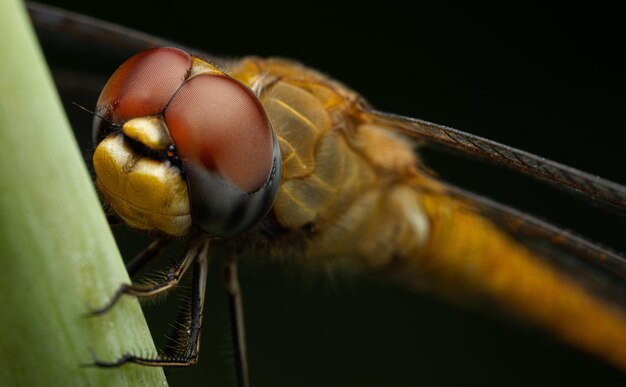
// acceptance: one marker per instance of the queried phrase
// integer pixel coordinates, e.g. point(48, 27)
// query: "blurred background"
point(546, 79)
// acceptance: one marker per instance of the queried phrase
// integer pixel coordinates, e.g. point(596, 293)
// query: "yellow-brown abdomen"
point(468, 256)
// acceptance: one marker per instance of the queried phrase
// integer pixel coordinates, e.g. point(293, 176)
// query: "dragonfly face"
point(186, 115)
point(390, 100)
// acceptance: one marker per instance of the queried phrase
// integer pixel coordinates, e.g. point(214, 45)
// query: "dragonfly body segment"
point(355, 196)
point(343, 179)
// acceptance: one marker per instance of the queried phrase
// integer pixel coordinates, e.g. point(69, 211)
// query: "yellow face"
point(148, 194)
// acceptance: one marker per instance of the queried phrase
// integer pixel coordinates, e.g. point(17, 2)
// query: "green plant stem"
point(58, 258)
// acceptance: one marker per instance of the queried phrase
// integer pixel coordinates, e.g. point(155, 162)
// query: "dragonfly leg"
point(191, 327)
point(233, 292)
point(153, 250)
point(171, 278)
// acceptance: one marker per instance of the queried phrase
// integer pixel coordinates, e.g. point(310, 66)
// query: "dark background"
point(549, 80)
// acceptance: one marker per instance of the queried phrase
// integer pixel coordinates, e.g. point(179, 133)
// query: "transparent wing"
point(597, 189)
point(76, 33)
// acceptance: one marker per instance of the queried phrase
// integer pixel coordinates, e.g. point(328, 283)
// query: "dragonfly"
point(450, 138)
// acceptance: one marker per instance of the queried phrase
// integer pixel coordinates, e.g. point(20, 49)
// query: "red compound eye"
point(219, 124)
point(229, 151)
point(143, 84)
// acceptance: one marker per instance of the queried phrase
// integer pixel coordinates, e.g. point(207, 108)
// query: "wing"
point(70, 32)
point(598, 268)
point(601, 191)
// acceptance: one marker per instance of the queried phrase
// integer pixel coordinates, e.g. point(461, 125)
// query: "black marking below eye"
point(221, 209)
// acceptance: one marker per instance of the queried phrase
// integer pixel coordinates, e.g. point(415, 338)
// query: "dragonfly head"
point(180, 144)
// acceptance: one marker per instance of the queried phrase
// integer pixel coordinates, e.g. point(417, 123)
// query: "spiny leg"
point(233, 292)
point(189, 355)
point(153, 250)
point(173, 275)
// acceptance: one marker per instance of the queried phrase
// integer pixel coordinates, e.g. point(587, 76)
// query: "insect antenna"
point(93, 113)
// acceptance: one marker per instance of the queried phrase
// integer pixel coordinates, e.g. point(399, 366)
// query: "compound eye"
point(219, 125)
point(228, 150)
point(143, 85)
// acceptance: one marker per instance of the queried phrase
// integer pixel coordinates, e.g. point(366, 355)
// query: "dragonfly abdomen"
point(468, 257)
